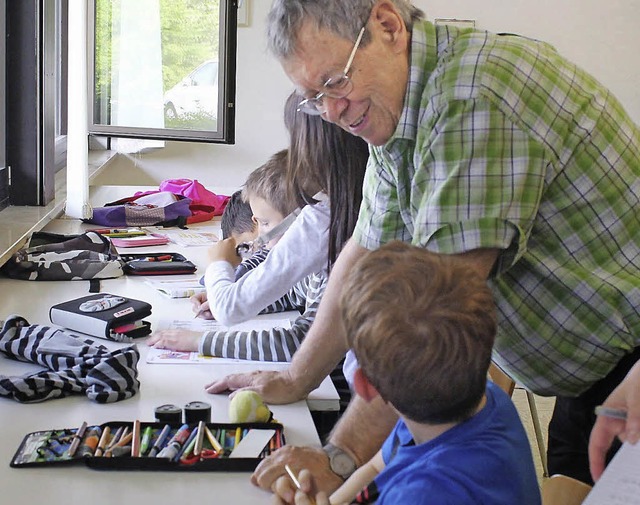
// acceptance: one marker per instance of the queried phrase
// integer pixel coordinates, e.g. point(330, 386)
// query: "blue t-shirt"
point(484, 460)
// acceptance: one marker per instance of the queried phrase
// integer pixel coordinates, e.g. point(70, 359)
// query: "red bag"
point(204, 203)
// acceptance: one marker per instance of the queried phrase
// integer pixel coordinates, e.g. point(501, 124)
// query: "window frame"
point(226, 84)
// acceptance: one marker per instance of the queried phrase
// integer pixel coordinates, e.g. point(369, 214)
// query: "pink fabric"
point(204, 203)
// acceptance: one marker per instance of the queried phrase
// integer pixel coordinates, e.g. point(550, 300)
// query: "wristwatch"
point(340, 462)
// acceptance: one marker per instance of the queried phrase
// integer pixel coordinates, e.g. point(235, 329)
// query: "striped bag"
point(72, 365)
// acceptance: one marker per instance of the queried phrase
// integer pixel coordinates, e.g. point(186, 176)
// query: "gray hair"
point(345, 18)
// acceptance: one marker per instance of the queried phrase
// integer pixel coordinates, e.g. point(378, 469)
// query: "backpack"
point(54, 257)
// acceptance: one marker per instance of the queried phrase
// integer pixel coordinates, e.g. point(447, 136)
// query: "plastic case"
point(51, 447)
point(157, 264)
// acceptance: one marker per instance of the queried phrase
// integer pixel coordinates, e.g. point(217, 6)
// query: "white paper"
point(620, 482)
point(252, 444)
point(178, 288)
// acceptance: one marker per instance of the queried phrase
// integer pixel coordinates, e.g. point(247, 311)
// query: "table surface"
point(160, 384)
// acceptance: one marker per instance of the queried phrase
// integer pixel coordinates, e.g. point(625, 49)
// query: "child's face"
point(265, 216)
point(246, 236)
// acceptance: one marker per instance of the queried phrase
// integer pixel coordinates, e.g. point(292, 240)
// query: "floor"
point(544, 406)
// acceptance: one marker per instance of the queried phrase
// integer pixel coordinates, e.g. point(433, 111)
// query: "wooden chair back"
point(563, 490)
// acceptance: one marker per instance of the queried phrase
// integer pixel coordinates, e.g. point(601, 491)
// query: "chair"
point(563, 490)
point(507, 384)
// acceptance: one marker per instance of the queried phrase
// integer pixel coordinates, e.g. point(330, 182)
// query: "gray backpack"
point(53, 257)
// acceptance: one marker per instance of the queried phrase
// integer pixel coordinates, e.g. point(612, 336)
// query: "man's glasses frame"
point(337, 86)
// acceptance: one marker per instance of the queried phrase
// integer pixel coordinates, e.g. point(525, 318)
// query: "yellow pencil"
point(238, 436)
point(212, 440)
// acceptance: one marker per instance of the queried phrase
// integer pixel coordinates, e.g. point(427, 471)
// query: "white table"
point(160, 384)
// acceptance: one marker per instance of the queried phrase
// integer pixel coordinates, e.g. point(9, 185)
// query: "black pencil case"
point(51, 447)
point(157, 264)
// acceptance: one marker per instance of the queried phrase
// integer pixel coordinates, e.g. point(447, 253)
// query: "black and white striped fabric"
point(73, 365)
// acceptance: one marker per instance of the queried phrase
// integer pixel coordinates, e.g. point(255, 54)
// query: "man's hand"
point(273, 387)
point(225, 250)
point(175, 340)
point(626, 397)
point(285, 491)
point(268, 473)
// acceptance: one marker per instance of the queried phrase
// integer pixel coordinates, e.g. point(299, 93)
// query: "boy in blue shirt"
point(422, 328)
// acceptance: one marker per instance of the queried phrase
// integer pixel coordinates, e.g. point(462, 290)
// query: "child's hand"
point(284, 491)
point(225, 250)
point(200, 306)
point(175, 340)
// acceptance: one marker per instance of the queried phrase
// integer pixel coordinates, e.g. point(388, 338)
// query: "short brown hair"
point(269, 182)
point(422, 326)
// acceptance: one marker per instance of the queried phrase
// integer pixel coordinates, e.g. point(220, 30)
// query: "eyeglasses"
point(337, 86)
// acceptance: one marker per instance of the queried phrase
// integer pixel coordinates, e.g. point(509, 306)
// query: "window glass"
point(164, 69)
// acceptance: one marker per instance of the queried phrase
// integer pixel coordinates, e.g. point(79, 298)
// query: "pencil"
point(213, 441)
point(200, 438)
point(135, 442)
point(103, 441)
point(297, 482)
point(77, 438)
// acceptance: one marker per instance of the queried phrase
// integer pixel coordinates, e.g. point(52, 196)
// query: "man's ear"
point(388, 18)
point(363, 387)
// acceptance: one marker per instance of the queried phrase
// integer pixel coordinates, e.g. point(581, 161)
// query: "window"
point(33, 51)
point(164, 69)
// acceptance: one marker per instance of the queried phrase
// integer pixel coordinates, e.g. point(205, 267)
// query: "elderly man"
point(494, 149)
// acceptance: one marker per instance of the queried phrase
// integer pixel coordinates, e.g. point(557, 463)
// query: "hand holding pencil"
point(305, 493)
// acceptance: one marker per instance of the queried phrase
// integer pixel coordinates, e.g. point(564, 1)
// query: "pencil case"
point(53, 447)
point(157, 264)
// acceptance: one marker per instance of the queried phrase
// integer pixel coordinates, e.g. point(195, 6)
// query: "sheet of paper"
point(178, 288)
point(252, 444)
point(166, 356)
point(620, 482)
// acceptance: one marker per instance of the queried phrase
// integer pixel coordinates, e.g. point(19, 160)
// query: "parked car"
point(196, 94)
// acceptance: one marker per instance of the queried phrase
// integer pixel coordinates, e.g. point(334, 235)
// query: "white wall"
point(600, 36)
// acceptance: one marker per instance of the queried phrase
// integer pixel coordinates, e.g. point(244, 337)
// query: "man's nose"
point(334, 109)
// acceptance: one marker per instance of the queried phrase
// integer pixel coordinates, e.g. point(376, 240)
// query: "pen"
point(77, 439)
point(160, 442)
point(113, 442)
point(297, 482)
point(609, 412)
point(146, 440)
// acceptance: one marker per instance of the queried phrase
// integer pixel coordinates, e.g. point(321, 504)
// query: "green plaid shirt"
point(503, 143)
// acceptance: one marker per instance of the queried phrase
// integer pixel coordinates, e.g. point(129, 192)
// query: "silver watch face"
point(342, 464)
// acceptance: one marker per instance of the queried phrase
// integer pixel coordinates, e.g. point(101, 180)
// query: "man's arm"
point(360, 479)
point(360, 433)
point(319, 353)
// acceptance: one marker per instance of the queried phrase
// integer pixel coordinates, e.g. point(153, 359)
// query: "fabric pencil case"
point(224, 447)
point(165, 263)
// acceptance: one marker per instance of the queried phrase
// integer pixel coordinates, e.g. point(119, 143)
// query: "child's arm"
point(175, 340)
point(361, 478)
point(301, 251)
point(276, 344)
